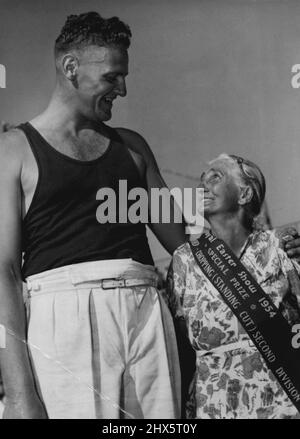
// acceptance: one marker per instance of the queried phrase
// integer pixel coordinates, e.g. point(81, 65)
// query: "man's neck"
point(231, 230)
point(62, 117)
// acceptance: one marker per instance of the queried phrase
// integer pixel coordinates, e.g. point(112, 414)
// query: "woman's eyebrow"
point(217, 170)
point(209, 171)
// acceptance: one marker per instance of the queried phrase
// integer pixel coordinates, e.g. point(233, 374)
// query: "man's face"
point(221, 192)
point(100, 79)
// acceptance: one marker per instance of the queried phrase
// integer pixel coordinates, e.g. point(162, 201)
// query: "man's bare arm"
point(171, 235)
point(21, 397)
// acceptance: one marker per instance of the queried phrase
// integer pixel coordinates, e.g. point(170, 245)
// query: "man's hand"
point(5, 126)
point(291, 239)
point(24, 408)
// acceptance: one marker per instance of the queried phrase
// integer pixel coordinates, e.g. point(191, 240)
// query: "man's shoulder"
point(137, 147)
point(12, 146)
point(130, 135)
point(135, 142)
point(11, 137)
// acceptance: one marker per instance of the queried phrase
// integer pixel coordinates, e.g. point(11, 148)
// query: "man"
point(100, 341)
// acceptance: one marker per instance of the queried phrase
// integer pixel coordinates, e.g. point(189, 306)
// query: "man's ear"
point(70, 66)
point(246, 194)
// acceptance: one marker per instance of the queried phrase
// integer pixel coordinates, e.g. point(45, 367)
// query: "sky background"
point(205, 77)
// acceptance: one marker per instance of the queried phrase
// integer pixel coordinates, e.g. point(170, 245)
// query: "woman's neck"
point(231, 230)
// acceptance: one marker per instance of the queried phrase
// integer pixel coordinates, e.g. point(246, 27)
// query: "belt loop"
point(33, 286)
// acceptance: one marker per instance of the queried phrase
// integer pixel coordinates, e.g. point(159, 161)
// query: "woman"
point(232, 379)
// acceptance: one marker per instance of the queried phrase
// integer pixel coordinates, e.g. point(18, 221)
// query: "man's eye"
point(110, 79)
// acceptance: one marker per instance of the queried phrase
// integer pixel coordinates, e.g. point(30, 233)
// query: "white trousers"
point(102, 353)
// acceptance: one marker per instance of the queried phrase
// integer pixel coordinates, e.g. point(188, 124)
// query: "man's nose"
point(121, 88)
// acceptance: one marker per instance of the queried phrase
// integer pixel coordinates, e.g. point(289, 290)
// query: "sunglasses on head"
point(242, 164)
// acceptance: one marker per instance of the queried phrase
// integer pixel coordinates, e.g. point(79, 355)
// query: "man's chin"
point(103, 116)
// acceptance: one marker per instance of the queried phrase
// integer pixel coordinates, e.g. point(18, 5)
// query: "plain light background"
point(206, 76)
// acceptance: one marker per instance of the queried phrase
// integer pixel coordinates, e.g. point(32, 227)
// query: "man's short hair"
point(90, 28)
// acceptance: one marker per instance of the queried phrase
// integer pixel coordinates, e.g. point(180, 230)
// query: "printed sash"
point(275, 339)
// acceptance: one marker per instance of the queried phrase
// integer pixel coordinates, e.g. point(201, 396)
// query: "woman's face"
point(221, 191)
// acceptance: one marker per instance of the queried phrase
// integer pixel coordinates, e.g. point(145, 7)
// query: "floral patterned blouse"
point(233, 382)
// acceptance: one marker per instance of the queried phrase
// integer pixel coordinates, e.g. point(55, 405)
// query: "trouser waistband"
point(108, 274)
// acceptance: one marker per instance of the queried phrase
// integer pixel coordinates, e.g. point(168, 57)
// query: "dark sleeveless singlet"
point(61, 226)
